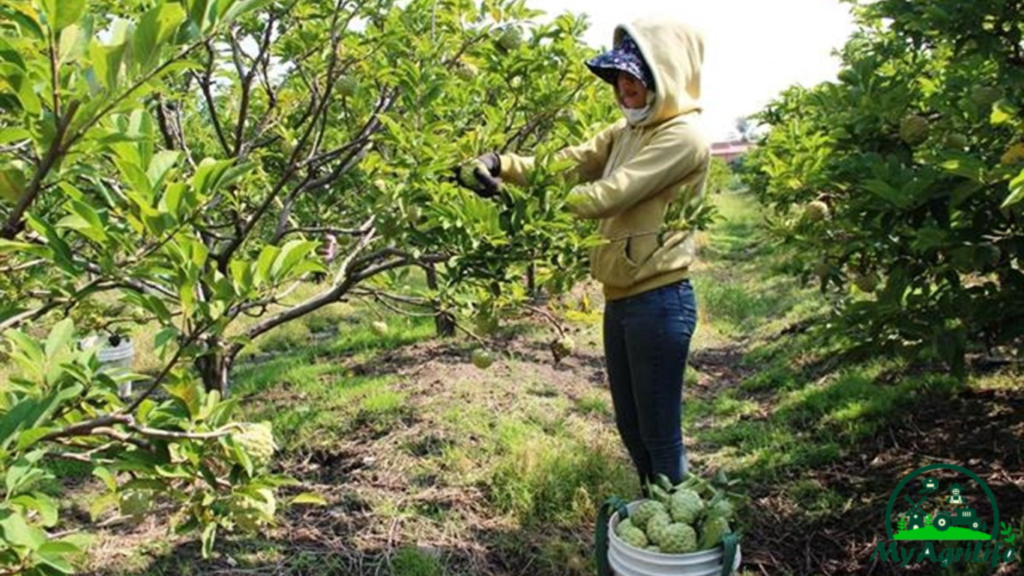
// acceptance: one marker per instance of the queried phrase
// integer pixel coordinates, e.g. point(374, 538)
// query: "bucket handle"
point(604, 514)
point(730, 541)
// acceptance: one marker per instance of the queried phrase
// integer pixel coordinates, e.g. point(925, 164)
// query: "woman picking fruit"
point(629, 174)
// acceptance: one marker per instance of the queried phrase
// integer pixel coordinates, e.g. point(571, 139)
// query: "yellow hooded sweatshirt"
point(631, 173)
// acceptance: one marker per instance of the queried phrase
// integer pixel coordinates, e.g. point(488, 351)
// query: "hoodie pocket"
point(612, 266)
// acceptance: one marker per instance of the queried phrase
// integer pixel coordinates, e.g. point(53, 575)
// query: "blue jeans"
point(646, 343)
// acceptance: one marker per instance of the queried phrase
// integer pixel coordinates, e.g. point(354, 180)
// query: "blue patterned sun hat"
point(626, 57)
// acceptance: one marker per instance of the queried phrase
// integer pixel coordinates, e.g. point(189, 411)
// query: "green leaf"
point(209, 537)
point(8, 135)
point(63, 13)
point(165, 337)
point(209, 175)
point(160, 166)
point(291, 254)
point(30, 437)
point(267, 258)
point(107, 477)
point(240, 8)
point(886, 192)
point(1016, 191)
point(53, 554)
point(155, 28)
point(1003, 112)
point(42, 504)
point(60, 335)
point(966, 166)
point(188, 393)
point(107, 64)
point(309, 498)
point(19, 533)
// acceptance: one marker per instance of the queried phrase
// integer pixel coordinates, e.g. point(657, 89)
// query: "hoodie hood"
point(674, 52)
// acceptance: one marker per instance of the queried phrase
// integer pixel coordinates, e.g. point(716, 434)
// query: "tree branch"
point(57, 148)
point(204, 85)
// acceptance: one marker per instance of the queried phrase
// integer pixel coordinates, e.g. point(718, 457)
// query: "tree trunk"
point(214, 367)
point(443, 321)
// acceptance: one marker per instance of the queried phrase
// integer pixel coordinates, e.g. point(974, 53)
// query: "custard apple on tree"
point(914, 129)
point(258, 442)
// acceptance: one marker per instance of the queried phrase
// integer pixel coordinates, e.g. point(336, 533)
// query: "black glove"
point(483, 178)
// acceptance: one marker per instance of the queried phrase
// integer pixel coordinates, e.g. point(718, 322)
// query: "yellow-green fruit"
point(986, 96)
point(656, 526)
point(347, 86)
point(510, 39)
point(258, 442)
point(956, 141)
point(679, 539)
point(565, 346)
point(816, 211)
point(482, 358)
point(635, 537)
point(866, 282)
point(848, 76)
point(914, 129)
point(646, 510)
point(135, 502)
point(379, 327)
point(685, 506)
point(624, 526)
point(466, 70)
point(486, 324)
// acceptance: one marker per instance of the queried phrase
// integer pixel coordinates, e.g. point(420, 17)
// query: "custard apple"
point(258, 442)
point(646, 510)
point(685, 506)
point(635, 537)
point(914, 129)
point(679, 538)
point(816, 211)
point(656, 527)
point(625, 526)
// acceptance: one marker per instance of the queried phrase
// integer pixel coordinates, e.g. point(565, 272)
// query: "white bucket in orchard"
point(625, 560)
point(118, 359)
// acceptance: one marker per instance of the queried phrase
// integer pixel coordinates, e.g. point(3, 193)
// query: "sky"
point(753, 49)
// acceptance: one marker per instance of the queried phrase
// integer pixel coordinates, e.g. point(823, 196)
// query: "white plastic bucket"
point(625, 560)
point(118, 359)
